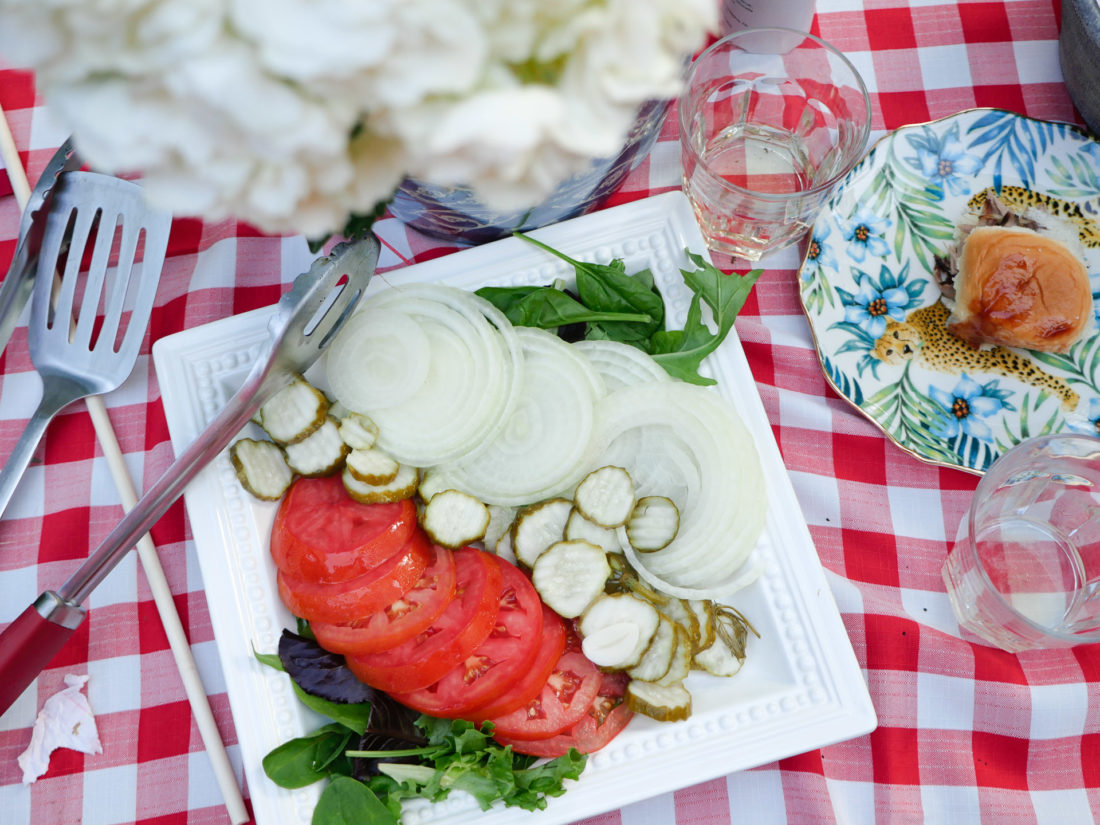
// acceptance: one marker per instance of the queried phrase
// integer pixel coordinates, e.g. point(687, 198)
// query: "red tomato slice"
point(356, 599)
point(606, 717)
point(400, 621)
point(464, 625)
point(530, 682)
point(321, 534)
point(564, 698)
point(495, 665)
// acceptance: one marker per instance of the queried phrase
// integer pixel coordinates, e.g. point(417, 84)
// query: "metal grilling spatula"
point(102, 220)
point(304, 323)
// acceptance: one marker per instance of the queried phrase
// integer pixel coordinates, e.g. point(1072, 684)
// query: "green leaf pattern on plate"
point(869, 267)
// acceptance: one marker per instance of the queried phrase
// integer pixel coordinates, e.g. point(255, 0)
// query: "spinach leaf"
point(356, 717)
point(547, 308)
point(607, 288)
point(349, 802)
point(307, 759)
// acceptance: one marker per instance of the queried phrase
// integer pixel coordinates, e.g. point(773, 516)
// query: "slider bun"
point(1019, 288)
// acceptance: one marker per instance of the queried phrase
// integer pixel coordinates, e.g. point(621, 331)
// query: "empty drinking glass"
point(1025, 569)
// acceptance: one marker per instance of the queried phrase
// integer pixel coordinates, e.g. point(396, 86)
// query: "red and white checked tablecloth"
point(966, 733)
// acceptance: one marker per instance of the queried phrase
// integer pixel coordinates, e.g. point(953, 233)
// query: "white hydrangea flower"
point(292, 114)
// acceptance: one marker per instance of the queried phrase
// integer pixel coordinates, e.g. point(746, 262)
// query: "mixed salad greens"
point(615, 306)
point(377, 752)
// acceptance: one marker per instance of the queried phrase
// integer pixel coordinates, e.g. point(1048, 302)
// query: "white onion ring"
point(620, 364)
point(471, 366)
point(722, 521)
point(544, 447)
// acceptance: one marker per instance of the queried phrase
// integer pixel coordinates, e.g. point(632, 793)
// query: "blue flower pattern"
point(864, 232)
point(965, 407)
point(944, 161)
point(820, 255)
point(871, 305)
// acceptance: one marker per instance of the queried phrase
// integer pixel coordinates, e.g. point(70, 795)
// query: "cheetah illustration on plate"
point(924, 336)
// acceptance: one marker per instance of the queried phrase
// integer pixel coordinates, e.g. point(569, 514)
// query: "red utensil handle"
point(29, 643)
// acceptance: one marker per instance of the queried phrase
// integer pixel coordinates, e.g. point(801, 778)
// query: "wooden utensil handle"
point(29, 643)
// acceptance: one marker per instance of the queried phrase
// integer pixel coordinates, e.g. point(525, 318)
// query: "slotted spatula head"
point(112, 247)
point(84, 338)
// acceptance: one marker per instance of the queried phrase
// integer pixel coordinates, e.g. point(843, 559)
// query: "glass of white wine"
point(770, 120)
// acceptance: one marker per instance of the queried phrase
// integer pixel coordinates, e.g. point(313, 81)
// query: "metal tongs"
point(19, 283)
point(304, 323)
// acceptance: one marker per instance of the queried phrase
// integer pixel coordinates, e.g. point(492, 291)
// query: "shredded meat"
point(994, 212)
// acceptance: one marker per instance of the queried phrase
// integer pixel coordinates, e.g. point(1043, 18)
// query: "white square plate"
point(801, 687)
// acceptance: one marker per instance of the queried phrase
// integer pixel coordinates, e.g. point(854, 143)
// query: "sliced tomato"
point(321, 534)
point(464, 625)
point(497, 663)
point(606, 717)
point(530, 682)
point(356, 599)
point(564, 698)
point(400, 621)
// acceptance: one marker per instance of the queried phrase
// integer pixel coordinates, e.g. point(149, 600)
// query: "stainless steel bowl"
point(1079, 52)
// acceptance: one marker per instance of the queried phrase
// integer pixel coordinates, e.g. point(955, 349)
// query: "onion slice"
point(544, 448)
point(436, 368)
point(688, 444)
point(620, 364)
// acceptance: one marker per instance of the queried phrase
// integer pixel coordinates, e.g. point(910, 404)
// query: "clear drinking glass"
point(1025, 569)
point(770, 120)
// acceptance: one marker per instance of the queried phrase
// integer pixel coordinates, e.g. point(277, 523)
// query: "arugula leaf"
point(307, 759)
point(682, 352)
point(349, 802)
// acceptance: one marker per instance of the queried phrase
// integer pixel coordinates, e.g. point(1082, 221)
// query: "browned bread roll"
point(1017, 287)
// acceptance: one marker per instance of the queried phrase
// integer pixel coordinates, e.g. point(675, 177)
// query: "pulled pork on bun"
point(1017, 280)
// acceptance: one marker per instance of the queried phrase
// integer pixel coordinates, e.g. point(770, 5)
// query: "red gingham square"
point(895, 756)
point(854, 458)
point(64, 535)
point(1090, 759)
point(809, 762)
point(993, 665)
point(901, 108)
point(870, 557)
point(889, 29)
point(1000, 97)
point(1000, 761)
point(163, 731)
point(893, 643)
point(985, 22)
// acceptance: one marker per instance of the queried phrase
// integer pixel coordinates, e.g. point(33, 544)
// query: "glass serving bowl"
point(456, 213)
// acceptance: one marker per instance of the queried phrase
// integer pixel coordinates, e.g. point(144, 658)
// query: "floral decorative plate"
point(868, 288)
